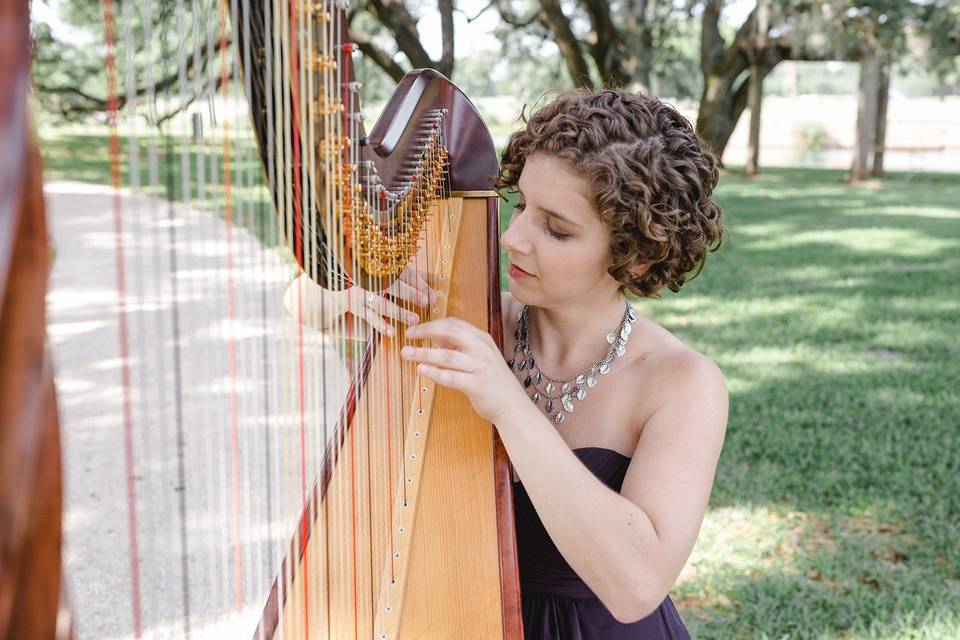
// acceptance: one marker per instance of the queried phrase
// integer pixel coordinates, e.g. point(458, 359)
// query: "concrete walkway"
point(210, 570)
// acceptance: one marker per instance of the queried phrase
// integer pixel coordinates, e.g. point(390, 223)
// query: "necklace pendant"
point(549, 406)
point(511, 362)
point(591, 381)
point(550, 388)
point(621, 349)
point(604, 368)
point(558, 418)
point(581, 393)
point(537, 378)
point(565, 387)
point(581, 379)
point(567, 404)
point(536, 397)
point(527, 381)
point(610, 338)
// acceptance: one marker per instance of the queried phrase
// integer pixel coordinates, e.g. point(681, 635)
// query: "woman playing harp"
point(614, 441)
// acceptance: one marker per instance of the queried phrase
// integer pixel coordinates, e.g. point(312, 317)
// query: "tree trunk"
point(867, 96)
point(754, 100)
point(881, 135)
point(755, 93)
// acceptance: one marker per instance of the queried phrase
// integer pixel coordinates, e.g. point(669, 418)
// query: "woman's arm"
point(629, 547)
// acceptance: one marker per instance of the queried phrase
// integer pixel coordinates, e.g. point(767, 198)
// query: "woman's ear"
point(639, 269)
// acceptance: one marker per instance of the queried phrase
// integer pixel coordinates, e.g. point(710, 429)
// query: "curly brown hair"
point(652, 180)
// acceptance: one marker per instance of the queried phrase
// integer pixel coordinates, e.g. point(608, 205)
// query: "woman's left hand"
point(468, 360)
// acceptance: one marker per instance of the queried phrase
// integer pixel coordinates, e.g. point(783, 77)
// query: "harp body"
point(442, 574)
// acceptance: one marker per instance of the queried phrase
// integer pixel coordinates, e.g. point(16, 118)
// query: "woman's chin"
point(517, 292)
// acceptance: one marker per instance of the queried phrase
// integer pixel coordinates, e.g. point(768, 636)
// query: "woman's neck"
point(571, 337)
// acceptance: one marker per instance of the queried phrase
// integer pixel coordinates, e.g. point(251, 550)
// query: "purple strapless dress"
point(557, 604)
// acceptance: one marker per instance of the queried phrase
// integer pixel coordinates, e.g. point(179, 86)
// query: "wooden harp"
point(284, 474)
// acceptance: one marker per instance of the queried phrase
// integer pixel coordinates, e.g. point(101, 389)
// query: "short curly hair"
point(652, 180)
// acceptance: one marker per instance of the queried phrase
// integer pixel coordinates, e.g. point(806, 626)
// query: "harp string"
point(224, 398)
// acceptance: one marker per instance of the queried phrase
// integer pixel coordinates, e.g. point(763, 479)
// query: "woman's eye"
point(554, 234)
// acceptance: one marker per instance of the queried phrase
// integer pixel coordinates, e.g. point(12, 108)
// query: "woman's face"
point(559, 250)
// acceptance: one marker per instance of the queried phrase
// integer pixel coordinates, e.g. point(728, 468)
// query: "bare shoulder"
point(680, 380)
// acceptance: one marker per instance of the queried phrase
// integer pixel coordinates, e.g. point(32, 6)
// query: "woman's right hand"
point(375, 308)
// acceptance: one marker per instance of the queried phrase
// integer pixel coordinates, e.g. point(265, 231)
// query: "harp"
point(30, 477)
point(275, 470)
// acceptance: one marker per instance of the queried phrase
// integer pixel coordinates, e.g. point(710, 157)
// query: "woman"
point(614, 474)
point(613, 425)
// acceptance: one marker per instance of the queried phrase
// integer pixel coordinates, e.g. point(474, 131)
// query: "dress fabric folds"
point(557, 604)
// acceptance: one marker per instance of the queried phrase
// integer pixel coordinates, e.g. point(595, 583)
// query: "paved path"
point(84, 333)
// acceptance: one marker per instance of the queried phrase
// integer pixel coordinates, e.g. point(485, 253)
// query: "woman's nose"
point(514, 238)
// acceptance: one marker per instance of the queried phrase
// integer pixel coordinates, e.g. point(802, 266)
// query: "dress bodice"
point(557, 604)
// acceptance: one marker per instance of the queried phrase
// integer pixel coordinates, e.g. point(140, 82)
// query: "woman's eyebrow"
point(554, 214)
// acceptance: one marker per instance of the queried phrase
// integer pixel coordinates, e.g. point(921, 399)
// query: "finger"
point(392, 310)
point(442, 329)
point(440, 358)
point(449, 333)
point(405, 291)
point(445, 377)
point(415, 279)
point(376, 321)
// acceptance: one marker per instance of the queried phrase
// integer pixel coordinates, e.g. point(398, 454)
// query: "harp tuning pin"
point(354, 86)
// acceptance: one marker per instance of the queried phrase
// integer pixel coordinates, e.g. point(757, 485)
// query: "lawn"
point(833, 312)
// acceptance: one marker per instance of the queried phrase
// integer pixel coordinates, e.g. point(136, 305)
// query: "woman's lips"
point(516, 272)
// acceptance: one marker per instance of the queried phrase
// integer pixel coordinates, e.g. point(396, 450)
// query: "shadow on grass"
point(833, 312)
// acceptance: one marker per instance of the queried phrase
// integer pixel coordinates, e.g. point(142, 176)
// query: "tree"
point(399, 22)
point(795, 31)
point(170, 48)
point(624, 44)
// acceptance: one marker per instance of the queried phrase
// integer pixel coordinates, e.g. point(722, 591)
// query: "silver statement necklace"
point(558, 395)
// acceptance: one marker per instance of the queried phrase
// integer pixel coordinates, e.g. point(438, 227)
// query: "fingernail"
point(390, 331)
point(433, 296)
point(406, 352)
point(412, 318)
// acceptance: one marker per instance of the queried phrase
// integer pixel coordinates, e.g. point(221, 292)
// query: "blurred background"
point(832, 307)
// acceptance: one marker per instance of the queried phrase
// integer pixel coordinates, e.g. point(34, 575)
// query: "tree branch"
point(380, 57)
point(608, 50)
point(569, 46)
point(98, 104)
point(712, 44)
point(446, 27)
point(393, 14)
point(512, 19)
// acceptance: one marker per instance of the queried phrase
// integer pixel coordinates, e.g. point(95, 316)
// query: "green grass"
point(79, 155)
point(834, 312)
